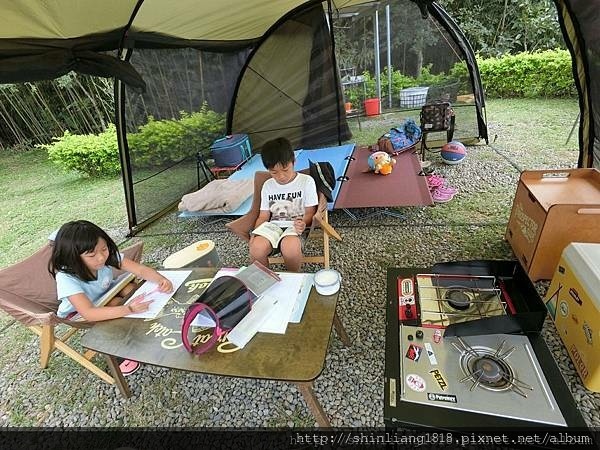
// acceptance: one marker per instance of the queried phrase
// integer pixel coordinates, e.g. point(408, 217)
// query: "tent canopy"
point(43, 40)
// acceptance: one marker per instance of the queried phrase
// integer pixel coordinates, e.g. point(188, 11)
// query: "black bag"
point(437, 117)
point(324, 177)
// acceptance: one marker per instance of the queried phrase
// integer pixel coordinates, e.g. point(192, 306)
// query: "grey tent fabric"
point(299, 98)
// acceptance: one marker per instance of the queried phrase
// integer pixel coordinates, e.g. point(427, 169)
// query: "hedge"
point(529, 75)
point(524, 75)
point(157, 143)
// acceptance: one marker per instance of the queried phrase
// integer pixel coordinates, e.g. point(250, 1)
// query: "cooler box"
point(573, 301)
point(231, 151)
point(551, 209)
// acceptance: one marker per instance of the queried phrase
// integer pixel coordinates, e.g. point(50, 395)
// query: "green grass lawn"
point(37, 197)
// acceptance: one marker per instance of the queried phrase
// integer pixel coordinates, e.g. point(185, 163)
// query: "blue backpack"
point(401, 138)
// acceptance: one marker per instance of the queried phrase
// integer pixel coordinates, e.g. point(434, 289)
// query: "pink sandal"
point(447, 190)
point(441, 196)
point(129, 367)
point(434, 181)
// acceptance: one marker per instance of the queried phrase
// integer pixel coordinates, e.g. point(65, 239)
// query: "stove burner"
point(489, 368)
point(457, 298)
point(491, 371)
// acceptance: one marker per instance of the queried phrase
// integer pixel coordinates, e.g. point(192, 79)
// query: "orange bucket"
point(371, 107)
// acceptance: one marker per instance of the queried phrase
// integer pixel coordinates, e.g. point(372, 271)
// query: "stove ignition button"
point(419, 334)
point(409, 337)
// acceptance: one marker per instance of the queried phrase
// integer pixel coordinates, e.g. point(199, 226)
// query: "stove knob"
point(408, 313)
point(419, 334)
point(409, 337)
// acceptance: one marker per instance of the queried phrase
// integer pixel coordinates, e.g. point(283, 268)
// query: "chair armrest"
point(321, 218)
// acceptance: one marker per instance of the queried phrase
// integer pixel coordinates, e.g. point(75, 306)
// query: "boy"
point(286, 196)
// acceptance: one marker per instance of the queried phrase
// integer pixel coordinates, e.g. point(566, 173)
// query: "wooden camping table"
point(298, 356)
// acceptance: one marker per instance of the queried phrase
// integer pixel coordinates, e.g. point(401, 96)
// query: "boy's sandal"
point(129, 367)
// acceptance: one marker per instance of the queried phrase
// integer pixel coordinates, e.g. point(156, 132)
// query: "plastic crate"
point(413, 97)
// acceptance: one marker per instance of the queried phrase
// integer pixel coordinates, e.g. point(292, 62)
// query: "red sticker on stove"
point(415, 382)
point(414, 352)
point(437, 336)
point(406, 287)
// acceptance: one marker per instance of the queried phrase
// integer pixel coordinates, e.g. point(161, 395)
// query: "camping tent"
point(272, 64)
point(580, 24)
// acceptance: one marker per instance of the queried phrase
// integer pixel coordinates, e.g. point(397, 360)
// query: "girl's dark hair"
point(277, 151)
point(75, 238)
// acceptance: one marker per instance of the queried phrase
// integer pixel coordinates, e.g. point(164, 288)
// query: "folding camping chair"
point(436, 117)
point(28, 294)
point(320, 227)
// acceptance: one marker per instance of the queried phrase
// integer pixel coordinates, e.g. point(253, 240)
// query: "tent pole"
point(334, 67)
point(120, 125)
point(377, 62)
point(389, 54)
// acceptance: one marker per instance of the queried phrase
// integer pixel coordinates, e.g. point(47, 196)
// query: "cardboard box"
point(573, 301)
point(551, 209)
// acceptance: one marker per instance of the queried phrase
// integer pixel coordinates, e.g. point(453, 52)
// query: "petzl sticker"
point(414, 352)
point(415, 382)
point(430, 354)
point(437, 376)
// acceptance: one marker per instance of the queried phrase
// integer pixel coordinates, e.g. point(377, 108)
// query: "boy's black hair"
point(75, 238)
point(277, 151)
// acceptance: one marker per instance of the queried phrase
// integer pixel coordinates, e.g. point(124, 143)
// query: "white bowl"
point(327, 281)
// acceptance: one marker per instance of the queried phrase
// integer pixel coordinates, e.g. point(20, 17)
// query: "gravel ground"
point(350, 388)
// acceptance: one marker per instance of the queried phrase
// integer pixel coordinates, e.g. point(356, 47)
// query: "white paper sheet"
point(245, 330)
point(159, 299)
point(286, 292)
point(302, 297)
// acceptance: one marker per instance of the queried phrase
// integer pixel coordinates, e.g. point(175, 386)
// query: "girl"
point(82, 262)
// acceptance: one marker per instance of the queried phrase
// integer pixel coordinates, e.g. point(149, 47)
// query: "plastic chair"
point(320, 226)
point(28, 294)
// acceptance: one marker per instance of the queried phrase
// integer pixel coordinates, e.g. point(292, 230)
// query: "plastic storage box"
point(413, 97)
point(231, 151)
point(573, 301)
point(551, 209)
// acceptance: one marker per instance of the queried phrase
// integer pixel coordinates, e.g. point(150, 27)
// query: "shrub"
point(93, 155)
point(160, 142)
point(529, 75)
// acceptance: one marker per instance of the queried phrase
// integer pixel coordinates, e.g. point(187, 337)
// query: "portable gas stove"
point(443, 299)
point(463, 349)
point(495, 374)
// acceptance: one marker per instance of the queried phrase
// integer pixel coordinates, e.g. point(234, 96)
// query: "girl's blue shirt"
point(67, 285)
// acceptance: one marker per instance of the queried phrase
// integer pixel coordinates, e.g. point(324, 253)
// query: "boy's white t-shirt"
point(287, 201)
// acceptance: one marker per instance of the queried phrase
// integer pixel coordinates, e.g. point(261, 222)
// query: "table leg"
point(113, 365)
point(340, 330)
point(306, 388)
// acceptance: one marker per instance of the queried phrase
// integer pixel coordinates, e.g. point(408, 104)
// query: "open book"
point(118, 284)
point(274, 233)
